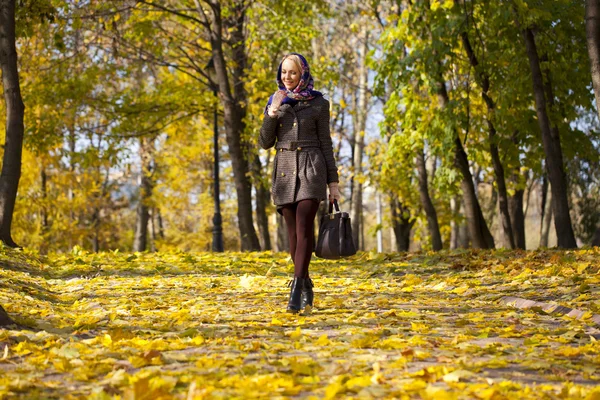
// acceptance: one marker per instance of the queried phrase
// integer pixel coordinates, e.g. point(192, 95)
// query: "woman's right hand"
point(276, 103)
point(334, 192)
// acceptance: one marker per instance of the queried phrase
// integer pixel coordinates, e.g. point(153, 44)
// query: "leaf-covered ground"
point(194, 326)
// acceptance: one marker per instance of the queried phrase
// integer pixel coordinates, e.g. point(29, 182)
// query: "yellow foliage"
point(181, 325)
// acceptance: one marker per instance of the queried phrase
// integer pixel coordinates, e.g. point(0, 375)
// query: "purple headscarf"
point(304, 91)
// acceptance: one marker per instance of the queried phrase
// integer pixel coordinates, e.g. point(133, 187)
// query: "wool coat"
point(304, 164)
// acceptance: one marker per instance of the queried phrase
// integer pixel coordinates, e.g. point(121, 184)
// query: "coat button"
point(280, 125)
point(299, 148)
point(282, 174)
point(294, 124)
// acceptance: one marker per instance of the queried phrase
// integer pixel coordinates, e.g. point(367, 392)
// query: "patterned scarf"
point(303, 92)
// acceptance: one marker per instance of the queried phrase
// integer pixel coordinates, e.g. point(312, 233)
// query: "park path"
point(179, 325)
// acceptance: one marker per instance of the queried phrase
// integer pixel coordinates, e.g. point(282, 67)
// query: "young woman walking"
point(296, 122)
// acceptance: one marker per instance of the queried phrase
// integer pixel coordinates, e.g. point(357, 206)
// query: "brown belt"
point(297, 145)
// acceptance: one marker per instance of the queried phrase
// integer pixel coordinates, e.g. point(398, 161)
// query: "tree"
point(420, 77)
point(427, 204)
point(483, 80)
point(402, 223)
point(592, 30)
point(359, 126)
point(222, 27)
point(140, 242)
point(15, 109)
point(551, 143)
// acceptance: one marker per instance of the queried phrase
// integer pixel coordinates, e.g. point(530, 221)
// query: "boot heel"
point(307, 295)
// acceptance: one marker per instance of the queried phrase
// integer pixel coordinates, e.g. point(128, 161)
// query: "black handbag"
point(335, 235)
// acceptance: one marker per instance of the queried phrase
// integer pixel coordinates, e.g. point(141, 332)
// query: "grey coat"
point(304, 164)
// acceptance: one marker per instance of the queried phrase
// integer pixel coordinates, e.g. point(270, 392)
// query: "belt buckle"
point(293, 145)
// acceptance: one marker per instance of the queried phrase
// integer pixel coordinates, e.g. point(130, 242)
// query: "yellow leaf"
point(106, 340)
point(358, 382)
point(332, 390)
point(582, 267)
point(436, 393)
point(419, 327)
point(323, 340)
point(297, 334)
point(413, 385)
point(456, 376)
point(247, 281)
point(460, 290)
point(62, 364)
point(303, 367)
point(595, 395)
point(198, 340)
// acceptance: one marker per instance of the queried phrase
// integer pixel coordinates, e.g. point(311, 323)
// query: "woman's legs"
point(300, 220)
point(305, 235)
point(289, 215)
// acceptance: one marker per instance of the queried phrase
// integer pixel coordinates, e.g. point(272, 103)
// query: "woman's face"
point(290, 74)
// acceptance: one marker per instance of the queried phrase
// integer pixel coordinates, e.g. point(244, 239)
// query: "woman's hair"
point(296, 61)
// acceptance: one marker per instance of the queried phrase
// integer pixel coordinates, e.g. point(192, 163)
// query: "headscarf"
point(303, 91)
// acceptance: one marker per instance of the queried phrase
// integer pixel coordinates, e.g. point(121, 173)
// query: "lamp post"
point(217, 231)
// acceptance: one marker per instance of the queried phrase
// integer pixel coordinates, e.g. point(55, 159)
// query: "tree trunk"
point(484, 82)
point(140, 242)
point(44, 190)
point(44, 225)
point(463, 236)
point(546, 218)
point(161, 229)
point(552, 149)
point(283, 241)
point(592, 30)
point(15, 109)
point(517, 217)
point(362, 228)
point(596, 238)
point(263, 197)
point(402, 224)
point(515, 203)
point(480, 235)
point(71, 189)
point(427, 204)
point(96, 230)
point(454, 225)
point(379, 224)
point(152, 230)
point(359, 125)
point(234, 111)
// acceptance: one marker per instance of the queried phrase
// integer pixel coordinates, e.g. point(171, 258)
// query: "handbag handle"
point(331, 204)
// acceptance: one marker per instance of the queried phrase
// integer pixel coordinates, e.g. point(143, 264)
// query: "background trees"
point(468, 120)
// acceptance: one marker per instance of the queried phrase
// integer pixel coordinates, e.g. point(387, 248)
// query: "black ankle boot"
point(307, 294)
point(294, 305)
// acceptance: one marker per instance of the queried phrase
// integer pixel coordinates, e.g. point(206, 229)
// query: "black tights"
point(300, 220)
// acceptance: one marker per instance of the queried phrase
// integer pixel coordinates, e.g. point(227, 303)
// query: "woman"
point(296, 122)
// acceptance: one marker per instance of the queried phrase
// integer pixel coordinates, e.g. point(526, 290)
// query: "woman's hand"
point(276, 103)
point(334, 192)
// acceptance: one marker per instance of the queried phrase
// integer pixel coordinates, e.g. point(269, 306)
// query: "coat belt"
point(297, 145)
